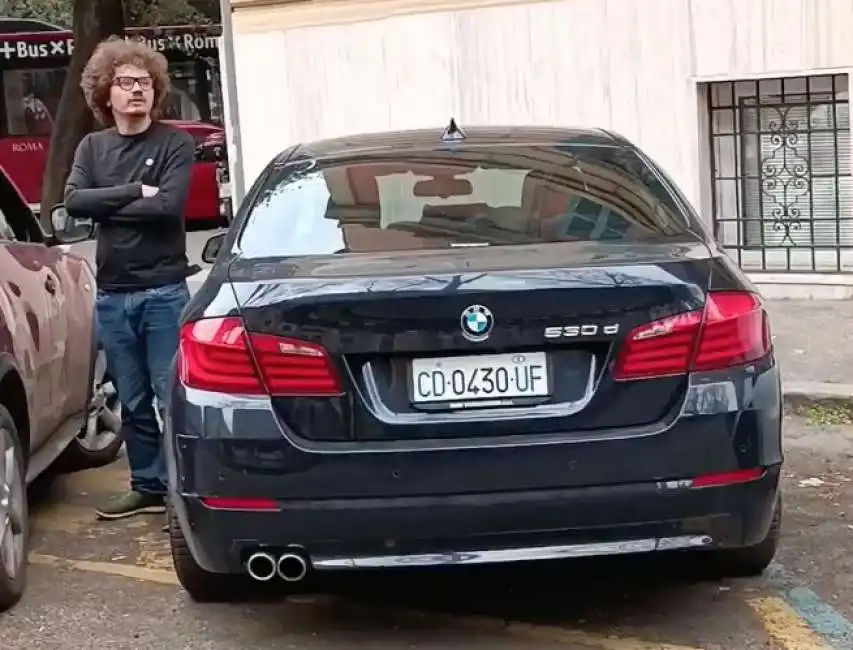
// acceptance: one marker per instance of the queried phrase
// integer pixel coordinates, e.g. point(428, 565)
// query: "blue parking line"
point(821, 617)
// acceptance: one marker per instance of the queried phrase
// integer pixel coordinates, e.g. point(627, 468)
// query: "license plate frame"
point(474, 375)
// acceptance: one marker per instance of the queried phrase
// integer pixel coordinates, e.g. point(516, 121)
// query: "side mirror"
point(212, 247)
point(68, 229)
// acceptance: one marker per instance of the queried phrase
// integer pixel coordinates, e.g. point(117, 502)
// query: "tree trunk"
point(93, 20)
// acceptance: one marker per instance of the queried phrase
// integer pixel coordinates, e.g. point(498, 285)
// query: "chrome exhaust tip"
point(292, 567)
point(261, 566)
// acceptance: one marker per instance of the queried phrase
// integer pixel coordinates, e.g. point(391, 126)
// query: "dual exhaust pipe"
point(263, 566)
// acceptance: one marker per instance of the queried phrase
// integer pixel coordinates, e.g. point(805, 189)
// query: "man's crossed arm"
point(127, 203)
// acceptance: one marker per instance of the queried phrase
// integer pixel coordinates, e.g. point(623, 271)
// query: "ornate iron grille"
point(781, 172)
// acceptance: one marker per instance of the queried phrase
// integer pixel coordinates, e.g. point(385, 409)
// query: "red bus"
point(34, 57)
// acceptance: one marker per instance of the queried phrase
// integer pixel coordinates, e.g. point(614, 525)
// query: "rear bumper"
point(496, 527)
point(473, 500)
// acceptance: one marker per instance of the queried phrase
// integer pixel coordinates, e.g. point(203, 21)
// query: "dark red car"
point(48, 342)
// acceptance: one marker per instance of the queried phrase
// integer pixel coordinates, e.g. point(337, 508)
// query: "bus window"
point(181, 103)
point(31, 98)
point(214, 83)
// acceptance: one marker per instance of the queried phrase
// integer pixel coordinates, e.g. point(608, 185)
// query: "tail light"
point(731, 330)
point(727, 478)
point(218, 354)
point(227, 503)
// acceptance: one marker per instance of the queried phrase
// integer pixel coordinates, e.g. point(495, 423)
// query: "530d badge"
point(573, 331)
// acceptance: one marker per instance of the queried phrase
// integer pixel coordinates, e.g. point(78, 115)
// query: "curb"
point(798, 394)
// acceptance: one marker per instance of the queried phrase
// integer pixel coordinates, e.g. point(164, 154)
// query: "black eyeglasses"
point(127, 83)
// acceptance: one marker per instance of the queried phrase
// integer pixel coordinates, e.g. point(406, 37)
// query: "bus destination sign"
point(31, 49)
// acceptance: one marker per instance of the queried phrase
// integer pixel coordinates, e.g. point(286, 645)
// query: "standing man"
point(132, 179)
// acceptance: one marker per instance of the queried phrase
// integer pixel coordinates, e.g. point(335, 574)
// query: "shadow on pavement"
point(537, 592)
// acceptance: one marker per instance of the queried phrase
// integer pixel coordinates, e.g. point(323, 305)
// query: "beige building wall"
point(322, 68)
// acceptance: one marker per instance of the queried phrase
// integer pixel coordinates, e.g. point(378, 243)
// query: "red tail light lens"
point(735, 331)
point(728, 478)
point(218, 354)
point(226, 503)
point(214, 355)
point(659, 349)
point(732, 330)
point(292, 367)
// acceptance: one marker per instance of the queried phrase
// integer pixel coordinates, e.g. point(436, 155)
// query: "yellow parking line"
point(785, 626)
point(131, 571)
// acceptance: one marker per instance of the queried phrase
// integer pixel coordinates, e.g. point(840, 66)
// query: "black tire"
point(749, 561)
point(204, 586)
point(77, 456)
point(12, 586)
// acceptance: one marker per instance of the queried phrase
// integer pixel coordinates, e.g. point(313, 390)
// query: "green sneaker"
point(132, 503)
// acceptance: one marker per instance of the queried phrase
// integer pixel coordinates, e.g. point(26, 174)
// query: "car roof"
point(432, 139)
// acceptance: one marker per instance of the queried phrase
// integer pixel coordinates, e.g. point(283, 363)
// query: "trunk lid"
point(393, 326)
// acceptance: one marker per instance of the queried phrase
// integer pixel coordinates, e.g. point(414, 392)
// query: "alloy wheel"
point(104, 421)
point(12, 500)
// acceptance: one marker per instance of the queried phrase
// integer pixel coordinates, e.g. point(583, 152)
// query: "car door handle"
point(50, 285)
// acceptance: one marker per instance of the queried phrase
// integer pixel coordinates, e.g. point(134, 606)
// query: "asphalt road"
point(110, 585)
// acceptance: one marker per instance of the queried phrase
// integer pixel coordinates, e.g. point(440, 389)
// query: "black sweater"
point(141, 241)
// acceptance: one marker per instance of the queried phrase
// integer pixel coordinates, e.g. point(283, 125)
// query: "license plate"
point(482, 377)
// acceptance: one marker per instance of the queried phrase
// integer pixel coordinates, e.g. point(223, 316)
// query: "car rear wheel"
point(750, 560)
point(14, 531)
point(204, 586)
point(99, 441)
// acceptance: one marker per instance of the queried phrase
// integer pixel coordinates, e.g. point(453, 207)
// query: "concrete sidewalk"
point(814, 345)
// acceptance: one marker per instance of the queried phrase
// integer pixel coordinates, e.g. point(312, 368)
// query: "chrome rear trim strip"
point(513, 555)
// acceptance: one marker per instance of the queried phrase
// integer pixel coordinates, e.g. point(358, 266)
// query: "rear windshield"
point(458, 197)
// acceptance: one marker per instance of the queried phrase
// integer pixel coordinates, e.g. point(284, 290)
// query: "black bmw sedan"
point(446, 347)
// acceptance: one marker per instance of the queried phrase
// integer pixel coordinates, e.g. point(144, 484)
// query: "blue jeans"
point(139, 334)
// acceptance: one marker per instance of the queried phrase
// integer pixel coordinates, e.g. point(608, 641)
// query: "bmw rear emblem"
point(476, 323)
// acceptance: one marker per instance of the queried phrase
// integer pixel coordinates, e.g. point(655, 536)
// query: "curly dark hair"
point(99, 71)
